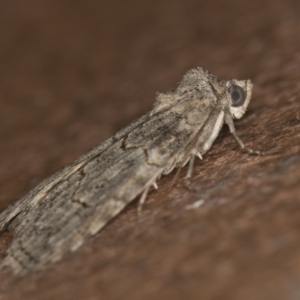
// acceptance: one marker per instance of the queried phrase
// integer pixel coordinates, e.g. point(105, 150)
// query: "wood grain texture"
point(72, 75)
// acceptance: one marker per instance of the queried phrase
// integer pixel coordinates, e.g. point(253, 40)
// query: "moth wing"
point(13, 214)
point(61, 212)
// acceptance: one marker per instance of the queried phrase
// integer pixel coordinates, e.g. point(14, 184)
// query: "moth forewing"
point(65, 209)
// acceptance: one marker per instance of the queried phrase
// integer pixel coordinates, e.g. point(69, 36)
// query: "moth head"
point(239, 94)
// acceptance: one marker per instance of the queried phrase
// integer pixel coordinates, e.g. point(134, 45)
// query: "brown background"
point(74, 72)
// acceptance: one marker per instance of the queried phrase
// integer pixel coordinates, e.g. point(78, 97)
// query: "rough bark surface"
point(74, 72)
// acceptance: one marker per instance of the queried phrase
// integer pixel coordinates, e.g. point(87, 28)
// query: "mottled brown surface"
point(74, 72)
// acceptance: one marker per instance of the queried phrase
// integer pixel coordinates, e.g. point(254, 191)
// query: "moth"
point(64, 210)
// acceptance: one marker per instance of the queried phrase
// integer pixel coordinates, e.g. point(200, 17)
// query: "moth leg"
point(199, 155)
point(230, 124)
point(188, 175)
point(142, 201)
point(190, 169)
point(155, 185)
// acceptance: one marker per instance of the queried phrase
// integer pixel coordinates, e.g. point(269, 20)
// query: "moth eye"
point(238, 96)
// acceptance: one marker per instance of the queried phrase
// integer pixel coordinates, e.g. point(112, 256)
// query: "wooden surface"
point(74, 72)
